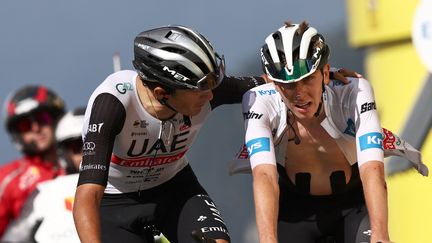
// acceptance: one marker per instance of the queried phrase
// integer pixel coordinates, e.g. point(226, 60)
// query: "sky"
point(68, 46)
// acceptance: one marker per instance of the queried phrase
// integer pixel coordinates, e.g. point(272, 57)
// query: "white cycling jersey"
point(49, 212)
point(351, 120)
point(127, 149)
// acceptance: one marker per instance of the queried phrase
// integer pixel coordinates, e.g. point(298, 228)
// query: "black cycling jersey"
point(128, 150)
point(141, 161)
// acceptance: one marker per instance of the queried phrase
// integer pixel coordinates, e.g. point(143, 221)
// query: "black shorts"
point(176, 208)
point(340, 217)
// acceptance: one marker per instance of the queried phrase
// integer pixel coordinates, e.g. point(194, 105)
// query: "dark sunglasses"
point(213, 79)
point(42, 118)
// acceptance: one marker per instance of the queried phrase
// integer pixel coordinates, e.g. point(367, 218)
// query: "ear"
point(326, 73)
point(161, 93)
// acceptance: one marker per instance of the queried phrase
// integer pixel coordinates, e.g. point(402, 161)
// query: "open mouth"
point(303, 106)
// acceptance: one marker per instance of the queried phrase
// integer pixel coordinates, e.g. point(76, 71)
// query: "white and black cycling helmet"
point(293, 52)
point(178, 57)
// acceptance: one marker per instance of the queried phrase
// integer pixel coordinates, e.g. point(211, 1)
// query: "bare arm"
point(266, 195)
point(86, 212)
point(375, 190)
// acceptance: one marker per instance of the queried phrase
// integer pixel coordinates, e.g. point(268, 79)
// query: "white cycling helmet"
point(293, 52)
point(70, 126)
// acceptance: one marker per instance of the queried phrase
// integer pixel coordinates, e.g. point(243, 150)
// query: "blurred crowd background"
point(68, 46)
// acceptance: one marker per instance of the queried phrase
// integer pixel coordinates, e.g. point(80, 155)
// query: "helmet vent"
point(174, 50)
point(276, 36)
point(173, 35)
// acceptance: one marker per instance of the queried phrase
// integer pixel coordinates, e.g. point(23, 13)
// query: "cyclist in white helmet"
point(138, 127)
point(315, 147)
point(47, 214)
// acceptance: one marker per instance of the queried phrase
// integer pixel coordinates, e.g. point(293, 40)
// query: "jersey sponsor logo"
point(89, 146)
point(148, 161)
point(367, 107)
point(140, 123)
point(214, 211)
point(133, 134)
point(213, 229)
point(350, 130)
point(267, 92)
point(178, 142)
point(371, 140)
point(201, 218)
point(251, 115)
point(175, 74)
point(92, 167)
point(122, 88)
point(258, 145)
point(95, 127)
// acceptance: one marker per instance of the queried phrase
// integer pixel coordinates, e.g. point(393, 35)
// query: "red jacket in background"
point(18, 179)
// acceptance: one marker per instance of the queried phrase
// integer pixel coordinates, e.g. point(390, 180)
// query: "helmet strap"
point(164, 101)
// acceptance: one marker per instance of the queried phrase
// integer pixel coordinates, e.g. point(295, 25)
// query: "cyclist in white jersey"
point(138, 128)
point(315, 147)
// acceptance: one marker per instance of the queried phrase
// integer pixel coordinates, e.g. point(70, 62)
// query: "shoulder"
point(118, 83)
point(8, 168)
point(264, 93)
point(117, 87)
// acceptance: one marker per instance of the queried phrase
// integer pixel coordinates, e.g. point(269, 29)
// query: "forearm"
point(375, 190)
point(266, 195)
point(86, 216)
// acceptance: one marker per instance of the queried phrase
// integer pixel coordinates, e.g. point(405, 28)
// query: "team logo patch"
point(267, 92)
point(258, 145)
point(371, 140)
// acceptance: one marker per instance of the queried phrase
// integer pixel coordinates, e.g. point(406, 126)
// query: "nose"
point(298, 89)
point(35, 126)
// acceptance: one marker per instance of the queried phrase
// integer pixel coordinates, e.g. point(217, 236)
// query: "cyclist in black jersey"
point(138, 127)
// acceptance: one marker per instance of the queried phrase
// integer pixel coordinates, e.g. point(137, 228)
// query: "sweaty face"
point(190, 102)
point(304, 97)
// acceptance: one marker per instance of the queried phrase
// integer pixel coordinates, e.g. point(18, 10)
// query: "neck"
point(151, 104)
point(50, 155)
point(312, 121)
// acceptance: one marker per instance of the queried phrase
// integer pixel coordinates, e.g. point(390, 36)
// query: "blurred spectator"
point(30, 115)
point(47, 214)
